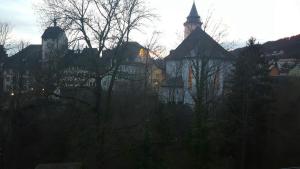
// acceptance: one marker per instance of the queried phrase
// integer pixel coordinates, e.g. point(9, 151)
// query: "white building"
point(183, 62)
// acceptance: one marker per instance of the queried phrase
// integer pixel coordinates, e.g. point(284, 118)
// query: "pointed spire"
point(193, 16)
point(193, 21)
point(194, 12)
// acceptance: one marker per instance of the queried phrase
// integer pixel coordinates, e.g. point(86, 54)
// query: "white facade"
point(77, 77)
point(182, 69)
point(182, 64)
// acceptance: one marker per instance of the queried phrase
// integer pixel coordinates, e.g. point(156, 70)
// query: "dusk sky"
point(264, 19)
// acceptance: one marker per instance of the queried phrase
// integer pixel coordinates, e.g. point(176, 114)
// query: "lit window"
point(142, 52)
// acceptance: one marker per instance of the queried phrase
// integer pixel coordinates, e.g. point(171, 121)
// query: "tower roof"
point(52, 32)
point(193, 16)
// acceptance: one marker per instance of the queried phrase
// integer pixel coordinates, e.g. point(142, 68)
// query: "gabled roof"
point(131, 50)
point(30, 59)
point(206, 45)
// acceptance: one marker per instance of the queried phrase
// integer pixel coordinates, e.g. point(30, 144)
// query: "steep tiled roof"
point(129, 51)
point(88, 59)
point(205, 44)
point(29, 58)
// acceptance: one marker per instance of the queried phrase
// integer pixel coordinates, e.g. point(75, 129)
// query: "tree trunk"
point(110, 90)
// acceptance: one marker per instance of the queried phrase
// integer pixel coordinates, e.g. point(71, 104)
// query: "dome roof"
point(52, 32)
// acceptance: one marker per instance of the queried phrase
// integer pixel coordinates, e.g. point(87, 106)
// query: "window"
point(190, 81)
point(142, 53)
point(216, 80)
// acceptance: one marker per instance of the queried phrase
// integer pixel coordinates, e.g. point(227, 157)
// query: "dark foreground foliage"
point(250, 127)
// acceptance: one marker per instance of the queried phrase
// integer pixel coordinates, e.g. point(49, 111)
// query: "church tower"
point(193, 21)
point(54, 43)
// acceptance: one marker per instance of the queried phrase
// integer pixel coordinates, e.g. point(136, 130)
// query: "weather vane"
point(55, 21)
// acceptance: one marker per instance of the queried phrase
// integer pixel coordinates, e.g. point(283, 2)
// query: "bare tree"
point(218, 30)
point(156, 50)
point(101, 24)
point(131, 17)
point(153, 51)
point(96, 23)
point(5, 30)
point(215, 27)
point(17, 46)
point(205, 69)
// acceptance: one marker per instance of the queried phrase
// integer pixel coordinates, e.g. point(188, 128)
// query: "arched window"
point(190, 80)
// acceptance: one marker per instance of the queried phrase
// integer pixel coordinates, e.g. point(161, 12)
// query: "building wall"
point(14, 81)
point(77, 77)
point(219, 68)
point(156, 77)
point(171, 95)
point(173, 68)
point(128, 76)
point(54, 47)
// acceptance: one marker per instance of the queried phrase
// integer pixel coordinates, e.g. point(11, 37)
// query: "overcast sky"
point(264, 19)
